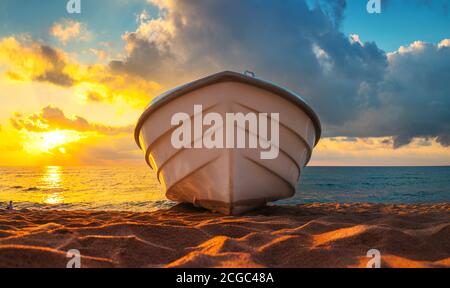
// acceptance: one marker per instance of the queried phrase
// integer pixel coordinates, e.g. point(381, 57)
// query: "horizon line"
point(309, 166)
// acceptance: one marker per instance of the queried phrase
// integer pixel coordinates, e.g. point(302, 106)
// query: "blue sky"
point(400, 23)
point(108, 19)
point(35, 16)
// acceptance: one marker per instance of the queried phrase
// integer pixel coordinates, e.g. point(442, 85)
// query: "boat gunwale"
point(227, 76)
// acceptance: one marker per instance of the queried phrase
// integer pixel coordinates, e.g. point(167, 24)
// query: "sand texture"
point(313, 235)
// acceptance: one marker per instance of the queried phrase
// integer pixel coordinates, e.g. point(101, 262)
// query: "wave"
point(137, 206)
point(31, 189)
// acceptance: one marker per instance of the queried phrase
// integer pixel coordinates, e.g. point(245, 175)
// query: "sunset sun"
point(46, 142)
point(53, 139)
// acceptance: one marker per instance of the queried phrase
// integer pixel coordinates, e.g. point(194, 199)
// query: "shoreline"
point(307, 235)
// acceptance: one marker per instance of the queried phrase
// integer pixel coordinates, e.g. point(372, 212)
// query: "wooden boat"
point(230, 179)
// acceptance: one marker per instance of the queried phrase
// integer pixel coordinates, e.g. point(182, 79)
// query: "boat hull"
point(228, 180)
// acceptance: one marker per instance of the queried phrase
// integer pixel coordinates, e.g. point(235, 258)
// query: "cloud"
point(378, 152)
point(444, 43)
point(29, 60)
point(33, 61)
point(49, 137)
point(101, 54)
point(414, 97)
point(357, 89)
point(277, 40)
point(68, 30)
point(52, 118)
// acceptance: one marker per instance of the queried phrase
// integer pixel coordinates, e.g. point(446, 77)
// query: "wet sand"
point(313, 235)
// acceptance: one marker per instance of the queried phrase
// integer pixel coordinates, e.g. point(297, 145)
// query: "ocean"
point(135, 188)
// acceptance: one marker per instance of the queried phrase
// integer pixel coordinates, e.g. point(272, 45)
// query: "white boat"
point(226, 178)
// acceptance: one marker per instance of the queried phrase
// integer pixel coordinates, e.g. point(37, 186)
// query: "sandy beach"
point(313, 235)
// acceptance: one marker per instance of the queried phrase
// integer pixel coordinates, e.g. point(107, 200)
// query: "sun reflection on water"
point(51, 181)
point(54, 198)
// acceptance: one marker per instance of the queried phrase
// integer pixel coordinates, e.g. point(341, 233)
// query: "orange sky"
point(91, 121)
point(44, 124)
point(59, 107)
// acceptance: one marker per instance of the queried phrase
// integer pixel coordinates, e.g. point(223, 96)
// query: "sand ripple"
point(314, 235)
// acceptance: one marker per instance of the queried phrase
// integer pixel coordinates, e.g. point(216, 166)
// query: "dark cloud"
point(285, 41)
point(414, 97)
point(51, 118)
point(356, 88)
point(387, 142)
point(55, 73)
point(154, 56)
point(26, 59)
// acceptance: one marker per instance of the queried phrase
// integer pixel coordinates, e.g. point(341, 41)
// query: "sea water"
point(135, 188)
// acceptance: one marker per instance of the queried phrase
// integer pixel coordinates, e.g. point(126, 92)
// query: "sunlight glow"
point(45, 142)
point(53, 139)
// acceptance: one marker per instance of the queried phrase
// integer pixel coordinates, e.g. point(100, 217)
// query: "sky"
point(72, 86)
